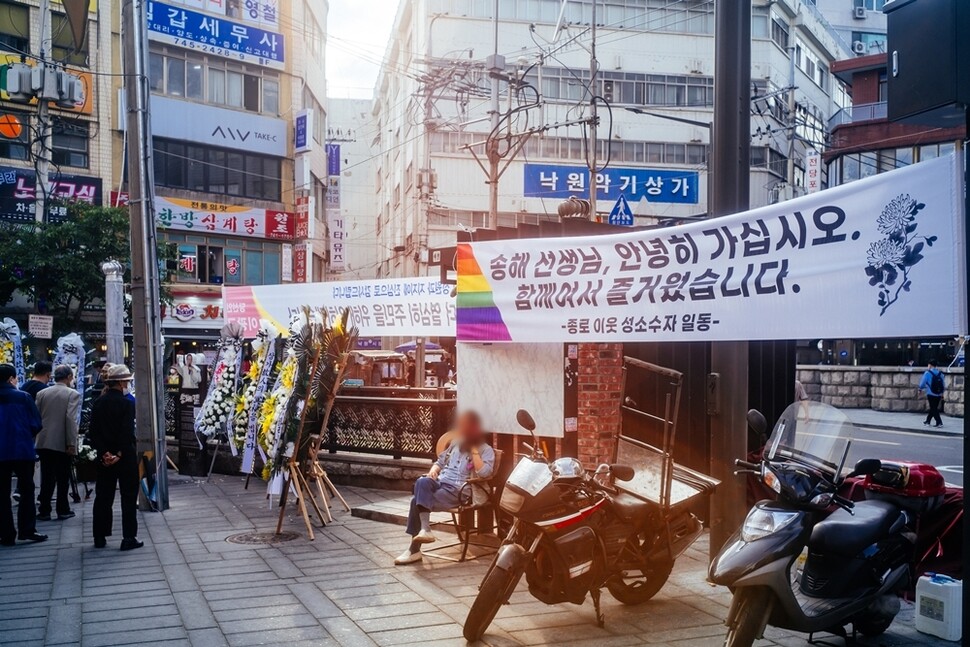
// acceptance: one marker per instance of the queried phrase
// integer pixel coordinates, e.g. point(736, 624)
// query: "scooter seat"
point(631, 509)
point(847, 534)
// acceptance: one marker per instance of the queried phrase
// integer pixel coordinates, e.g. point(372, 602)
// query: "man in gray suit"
point(57, 442)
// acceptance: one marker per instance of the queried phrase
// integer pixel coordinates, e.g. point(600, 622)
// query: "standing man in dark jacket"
point(39, 381)
point(112, 434)
point(934, 386)
point(19, 423)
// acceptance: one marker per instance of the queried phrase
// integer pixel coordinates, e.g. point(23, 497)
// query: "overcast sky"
point(357, 37)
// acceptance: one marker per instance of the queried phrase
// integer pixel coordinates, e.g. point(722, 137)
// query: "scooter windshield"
point(811, 433)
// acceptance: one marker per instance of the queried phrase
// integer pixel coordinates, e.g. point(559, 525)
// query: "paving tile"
point(404, 636)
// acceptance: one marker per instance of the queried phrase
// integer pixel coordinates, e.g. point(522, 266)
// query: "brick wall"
point(600, 377)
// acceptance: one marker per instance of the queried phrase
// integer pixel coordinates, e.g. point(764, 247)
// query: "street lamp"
point(114, 310)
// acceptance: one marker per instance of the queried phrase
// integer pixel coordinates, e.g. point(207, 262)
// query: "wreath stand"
point(299, 474)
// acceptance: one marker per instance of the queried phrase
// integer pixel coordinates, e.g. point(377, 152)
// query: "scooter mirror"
point(525, 420)
point(866, 466)
point(757, 422)
point(622, 472)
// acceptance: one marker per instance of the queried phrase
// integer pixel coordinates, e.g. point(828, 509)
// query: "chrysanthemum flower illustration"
point(897, 215)
point(885, 252)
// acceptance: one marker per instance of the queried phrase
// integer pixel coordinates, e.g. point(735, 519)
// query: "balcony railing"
point(858, 114)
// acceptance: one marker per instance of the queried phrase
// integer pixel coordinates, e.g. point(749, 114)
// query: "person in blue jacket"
point(934, 386)
point(19, 424)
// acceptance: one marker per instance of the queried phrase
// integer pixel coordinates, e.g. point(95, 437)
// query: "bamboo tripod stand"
point(298, 474)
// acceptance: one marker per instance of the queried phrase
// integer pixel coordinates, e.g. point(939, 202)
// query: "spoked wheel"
point(753, 607)
point(494, 592)
point(639, 585)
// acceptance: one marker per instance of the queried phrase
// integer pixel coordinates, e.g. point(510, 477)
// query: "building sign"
point(85, 107)
point(813, 171)
point(303, 223)
point(656, 185)
point(193, 311)
point(216, 218)
point(379, 308)
point(286, 264)
point(208, 125)
point(302, 131)
point(18, 198)
point(263, 13)
point(209, 34)
point(302, 253)
point(333, 159)
point(336, 231)
point(874, 258)
point(40, 326)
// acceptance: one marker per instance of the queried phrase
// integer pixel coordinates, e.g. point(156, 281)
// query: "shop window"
point(70, 143)
point(271, 96)
point(214, 170)
point(904, 157)
point(188, 264)
point(156, 72)
point(234, 89)
point(62, 43)
point(194, 79)
point(175, 76)
point(217, 86)
point(271, 268)
point(233, 272)
point(14, 28)
point(16, 148)
point(251, 93)
point(253, 267)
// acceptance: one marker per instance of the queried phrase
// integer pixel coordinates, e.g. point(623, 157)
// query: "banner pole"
point(966, 389)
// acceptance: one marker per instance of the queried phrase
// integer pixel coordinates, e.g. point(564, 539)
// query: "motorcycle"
point(574, 533)
point(795, 565)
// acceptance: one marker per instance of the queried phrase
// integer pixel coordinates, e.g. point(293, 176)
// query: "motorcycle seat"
point(847, 534)
point(631, 509)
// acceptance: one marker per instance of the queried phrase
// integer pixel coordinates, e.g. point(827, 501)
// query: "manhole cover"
point(262, 538)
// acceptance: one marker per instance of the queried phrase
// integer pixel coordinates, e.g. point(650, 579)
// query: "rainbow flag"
point(478, 317)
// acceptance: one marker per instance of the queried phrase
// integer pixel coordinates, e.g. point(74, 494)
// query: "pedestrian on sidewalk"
point(39, 381)
point(112, 434)
point(443, 488)
point(19, 424)
point(57, 441)
point(934, 386)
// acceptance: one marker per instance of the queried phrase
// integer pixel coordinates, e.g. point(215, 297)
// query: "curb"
point(916, 432)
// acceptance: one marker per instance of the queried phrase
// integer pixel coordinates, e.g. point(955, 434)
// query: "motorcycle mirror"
point(757, 422)
point(866, 466)
point(622, 472)
point(525, 420)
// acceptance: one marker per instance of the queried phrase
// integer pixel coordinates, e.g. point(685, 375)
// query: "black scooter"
point(794, 566)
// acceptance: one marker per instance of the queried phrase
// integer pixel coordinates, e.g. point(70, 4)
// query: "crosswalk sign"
point(622, 214)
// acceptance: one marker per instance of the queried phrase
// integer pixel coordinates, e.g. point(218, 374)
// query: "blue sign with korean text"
point(301, 132)
point(333, 159)
point(621, 215)
point(656, 185)
point(214, 35)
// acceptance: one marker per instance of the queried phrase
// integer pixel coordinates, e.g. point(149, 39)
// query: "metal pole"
point(790, 171)
point(146, 329)
point(594, 121)
point(42, 149)
point(730, 187)
point(492, 144)
point(966, 388)
point(114, 310)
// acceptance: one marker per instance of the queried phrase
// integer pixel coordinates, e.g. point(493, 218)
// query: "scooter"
point(574, 533)
point(793, 564)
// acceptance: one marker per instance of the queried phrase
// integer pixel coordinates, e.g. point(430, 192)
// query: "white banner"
point(379, 308)
point(880, 257)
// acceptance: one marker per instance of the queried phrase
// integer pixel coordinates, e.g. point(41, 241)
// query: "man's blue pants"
point(430, 495)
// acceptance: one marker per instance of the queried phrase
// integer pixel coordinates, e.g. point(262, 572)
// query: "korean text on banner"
point(379, 308)
point(880, 257)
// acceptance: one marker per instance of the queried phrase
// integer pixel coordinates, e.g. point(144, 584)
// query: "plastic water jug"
point(939, 606)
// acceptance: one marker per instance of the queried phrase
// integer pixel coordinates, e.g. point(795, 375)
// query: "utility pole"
point(730, 187)
point(114, 310)
point(790, 175)
point(146, 328)
point(42, 147)
point(496, 68)
point(594, 120)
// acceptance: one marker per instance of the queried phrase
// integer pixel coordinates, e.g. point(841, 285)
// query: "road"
point(943, 452)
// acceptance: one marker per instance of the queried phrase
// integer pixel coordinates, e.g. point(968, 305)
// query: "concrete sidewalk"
point(903, 421)
point(189, 586)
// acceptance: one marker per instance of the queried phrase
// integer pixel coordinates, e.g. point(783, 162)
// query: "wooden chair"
point(463, 516)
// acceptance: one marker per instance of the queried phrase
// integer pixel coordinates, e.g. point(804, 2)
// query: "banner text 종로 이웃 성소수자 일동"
point(420, 306)
point(880, 257)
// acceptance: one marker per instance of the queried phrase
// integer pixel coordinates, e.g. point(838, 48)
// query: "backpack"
point(937, 385)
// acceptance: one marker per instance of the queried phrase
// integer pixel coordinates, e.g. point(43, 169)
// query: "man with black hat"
point(112, 434)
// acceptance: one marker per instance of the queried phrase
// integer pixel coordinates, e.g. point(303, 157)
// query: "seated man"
point(468, 456)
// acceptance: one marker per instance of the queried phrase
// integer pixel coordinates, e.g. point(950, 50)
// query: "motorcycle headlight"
point(762, 522)
point(511, 501)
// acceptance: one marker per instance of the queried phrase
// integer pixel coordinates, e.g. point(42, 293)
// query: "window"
point(271, 96)
point(195, 79)
point(871, 5)
point(14, 28)
point(873, 43)
point(17, 148)
point(883, 87)
point(175, 76)
point(216, 259)
point(627, 88)
point(214, 170)
point(156, 72)
point(70, 143)
point(779, 33)
point(62, 43)
point(319, 116)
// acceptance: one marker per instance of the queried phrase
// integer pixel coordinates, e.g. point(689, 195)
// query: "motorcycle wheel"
point(494, 592)
point(750, 617)
point(639, 588)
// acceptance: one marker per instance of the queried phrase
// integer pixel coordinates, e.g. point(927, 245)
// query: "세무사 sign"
point(880, 257)
point(379, 308)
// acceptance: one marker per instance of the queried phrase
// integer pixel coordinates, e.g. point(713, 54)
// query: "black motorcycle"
point(574, 533)
point(795, 566)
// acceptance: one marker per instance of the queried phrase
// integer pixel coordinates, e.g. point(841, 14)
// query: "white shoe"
point(407, 557)
point(425, 537)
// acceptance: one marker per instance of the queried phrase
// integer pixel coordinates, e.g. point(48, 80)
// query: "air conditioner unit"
point(859, 13)
point(859, 47)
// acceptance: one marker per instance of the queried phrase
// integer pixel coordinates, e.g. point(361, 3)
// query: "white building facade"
point(432, 109)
